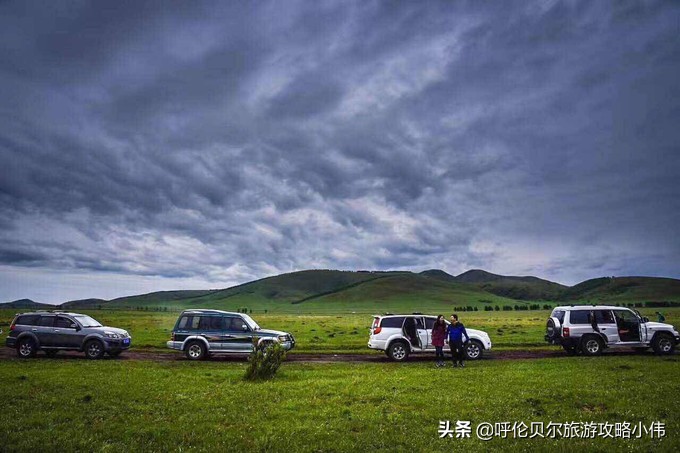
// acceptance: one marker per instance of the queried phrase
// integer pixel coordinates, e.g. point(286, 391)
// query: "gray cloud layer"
point(226, 141)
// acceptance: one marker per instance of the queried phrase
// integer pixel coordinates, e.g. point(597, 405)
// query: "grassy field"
point(338, 332)
point(115, 405)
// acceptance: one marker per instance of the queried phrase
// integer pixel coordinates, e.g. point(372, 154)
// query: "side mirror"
point(645, 319)
point(244, 327)
point(77, 327)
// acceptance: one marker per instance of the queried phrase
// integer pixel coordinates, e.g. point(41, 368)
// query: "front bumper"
point(117, 344)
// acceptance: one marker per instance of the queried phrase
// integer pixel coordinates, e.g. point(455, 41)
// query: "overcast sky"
point(165, 145)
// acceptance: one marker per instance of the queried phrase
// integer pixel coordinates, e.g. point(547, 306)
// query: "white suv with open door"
point(592, 328)
point(401, 335)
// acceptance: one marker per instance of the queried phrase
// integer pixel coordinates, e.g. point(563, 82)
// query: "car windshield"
point(253, 325)
point(86, 321)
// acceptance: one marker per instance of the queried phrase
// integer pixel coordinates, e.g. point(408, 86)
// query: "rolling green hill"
point(520, 288)
point(620, 289)
point(432, 290)
point(27, 304)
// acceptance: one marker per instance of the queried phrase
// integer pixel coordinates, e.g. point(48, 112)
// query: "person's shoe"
point(455, 364)
point(462, 365)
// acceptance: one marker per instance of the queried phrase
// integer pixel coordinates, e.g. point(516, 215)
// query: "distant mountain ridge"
point(326, 288)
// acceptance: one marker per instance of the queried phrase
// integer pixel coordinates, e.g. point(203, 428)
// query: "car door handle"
point(34, 330)
point(57, 330)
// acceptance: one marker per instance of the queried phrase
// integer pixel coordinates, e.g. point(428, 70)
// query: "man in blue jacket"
point(456, 331)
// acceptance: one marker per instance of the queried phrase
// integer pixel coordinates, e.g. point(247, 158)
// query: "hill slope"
point(27, 304)
point(520, 288)
point(618, 289)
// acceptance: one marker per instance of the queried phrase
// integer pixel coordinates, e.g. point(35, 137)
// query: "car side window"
point(46, 321)
point(234, 324)
point(604, 317)
point(64, 322)
point(579, 317)
point(392, 322)
point(209, 323)
point(191, 323)
point(215, 323)
point(419, 323)
point(429, 323)
point(28, 320)
point(183, 322)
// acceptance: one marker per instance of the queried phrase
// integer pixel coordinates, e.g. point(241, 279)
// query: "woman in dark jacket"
point(438, 337)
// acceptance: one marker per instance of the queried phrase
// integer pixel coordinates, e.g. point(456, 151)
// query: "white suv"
point(401, 335)
point(591, 328)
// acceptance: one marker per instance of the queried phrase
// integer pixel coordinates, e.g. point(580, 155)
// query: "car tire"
point(398, 351)
point(26, 348)
point(94, 349)
point(51, 354)
point(663, 344)
point(591, 345)
point(196, 350)
point(474, 350)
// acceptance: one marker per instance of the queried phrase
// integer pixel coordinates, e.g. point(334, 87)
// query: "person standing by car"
point(660, 317)
point(455, 332)
point(438, 337)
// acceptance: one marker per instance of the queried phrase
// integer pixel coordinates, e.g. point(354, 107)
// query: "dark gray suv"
point(57, 331)
point(202, 332)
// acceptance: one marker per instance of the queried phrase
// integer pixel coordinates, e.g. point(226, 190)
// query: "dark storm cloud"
point(231, 141)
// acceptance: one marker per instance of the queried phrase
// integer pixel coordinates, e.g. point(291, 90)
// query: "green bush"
point(264, 362)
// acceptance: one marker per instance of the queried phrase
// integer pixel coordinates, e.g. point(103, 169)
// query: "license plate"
point(126, 341)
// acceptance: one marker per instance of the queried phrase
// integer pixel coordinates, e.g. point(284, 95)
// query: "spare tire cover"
point(553, 327)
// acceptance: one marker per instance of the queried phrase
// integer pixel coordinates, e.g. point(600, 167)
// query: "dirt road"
point(9, 354)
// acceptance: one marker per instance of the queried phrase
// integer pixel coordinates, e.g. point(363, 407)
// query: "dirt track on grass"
point(7, 354)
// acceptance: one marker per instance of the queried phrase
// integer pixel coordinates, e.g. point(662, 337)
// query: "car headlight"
point(283, 337)
point(112, 335)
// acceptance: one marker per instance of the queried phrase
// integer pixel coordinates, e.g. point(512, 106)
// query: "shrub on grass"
point(264, 362)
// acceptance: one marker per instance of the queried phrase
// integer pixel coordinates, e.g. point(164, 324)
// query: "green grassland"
point(337, 333)
point(118, 405)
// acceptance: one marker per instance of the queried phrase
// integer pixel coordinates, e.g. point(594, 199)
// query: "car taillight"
point(376, 330)
point(172, 336)
point(12, 327)
point(565, 331)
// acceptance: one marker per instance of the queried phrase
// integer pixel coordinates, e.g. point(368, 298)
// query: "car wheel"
point(195, 350)
point(663, 344)
point(398, 351)
point(571, 350)
point(51, 354)
point(26, 348)
point(474, 350)
point(591, 345)
point(94, 349)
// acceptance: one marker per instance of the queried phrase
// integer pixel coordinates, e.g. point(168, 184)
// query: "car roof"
point(591, 307)
point(392, 315)
point(208, 311)
point(55, 312)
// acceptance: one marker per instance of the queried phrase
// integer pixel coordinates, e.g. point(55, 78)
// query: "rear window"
point(392, 322)
point(27, 320)
point(559, 314)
